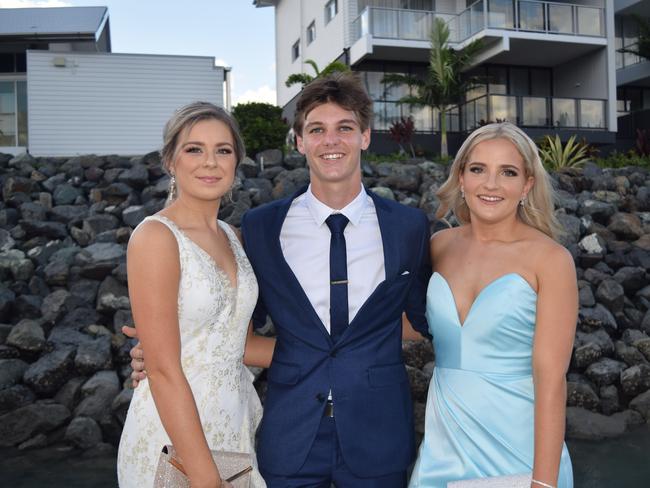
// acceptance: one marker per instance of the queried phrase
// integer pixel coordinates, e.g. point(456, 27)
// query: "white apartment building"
point(548, 66)
point(63, 92)
point(632, 72)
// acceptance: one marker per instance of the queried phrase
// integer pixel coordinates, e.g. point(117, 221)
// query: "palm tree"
point(642, 47)
point(444, 85)
point(304, 78)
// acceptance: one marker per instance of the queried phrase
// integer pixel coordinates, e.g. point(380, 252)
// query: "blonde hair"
point(538, 209)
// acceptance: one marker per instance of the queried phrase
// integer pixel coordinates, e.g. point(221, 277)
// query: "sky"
point(234, 32)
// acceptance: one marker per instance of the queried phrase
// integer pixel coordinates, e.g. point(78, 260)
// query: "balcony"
point(513, 15)
point(529, 111)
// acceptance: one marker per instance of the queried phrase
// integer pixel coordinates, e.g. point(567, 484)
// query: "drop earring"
point(172, 189)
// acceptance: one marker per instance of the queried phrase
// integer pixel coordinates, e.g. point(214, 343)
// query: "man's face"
point(332, 141)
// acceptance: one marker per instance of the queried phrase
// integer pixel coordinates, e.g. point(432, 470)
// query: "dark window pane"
point(7, 63)
point(21, 63)
point(519, 81)
point(540, 82)
point(497, 80)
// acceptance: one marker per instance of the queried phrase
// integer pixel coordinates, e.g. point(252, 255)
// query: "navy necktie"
point(338, 276)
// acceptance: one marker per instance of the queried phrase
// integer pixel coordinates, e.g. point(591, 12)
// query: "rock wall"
point(65, 223)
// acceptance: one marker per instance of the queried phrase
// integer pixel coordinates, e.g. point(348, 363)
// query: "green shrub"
point(261, 125)
point(620, 160)
point(554, 156)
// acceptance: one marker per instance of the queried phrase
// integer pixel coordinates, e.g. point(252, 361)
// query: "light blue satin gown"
point(480, 407)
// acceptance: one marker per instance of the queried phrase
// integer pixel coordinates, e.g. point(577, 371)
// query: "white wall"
point(292, 17)
point(111, 103)
point(583, 77)
point(288, 29)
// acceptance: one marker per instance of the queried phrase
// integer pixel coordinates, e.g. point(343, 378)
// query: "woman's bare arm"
point(153, 274)
point(557, 309)
point(259, 349)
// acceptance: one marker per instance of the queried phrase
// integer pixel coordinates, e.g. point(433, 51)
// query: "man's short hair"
point(342, 88)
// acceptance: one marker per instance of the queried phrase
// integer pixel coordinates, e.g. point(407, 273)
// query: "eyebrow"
point(197, 143)
point(339, 122)
point(506, 165)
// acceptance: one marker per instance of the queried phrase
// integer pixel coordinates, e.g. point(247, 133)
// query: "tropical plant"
point(555, 157)
point(401, 131)
point(444, 84)
point(642, 46)
point(304, 78)
point(261, 125)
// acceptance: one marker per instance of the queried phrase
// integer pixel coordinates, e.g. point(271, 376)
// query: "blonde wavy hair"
point(538, 209)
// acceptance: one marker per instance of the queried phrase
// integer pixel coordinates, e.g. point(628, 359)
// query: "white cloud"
point(264, 94)
point(33, 3)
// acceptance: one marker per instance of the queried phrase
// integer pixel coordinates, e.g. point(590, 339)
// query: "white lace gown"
point(213, 318)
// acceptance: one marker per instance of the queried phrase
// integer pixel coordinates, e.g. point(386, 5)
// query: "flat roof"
point(51, 21)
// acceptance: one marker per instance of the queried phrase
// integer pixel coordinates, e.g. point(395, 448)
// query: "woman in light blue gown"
point(501, 306)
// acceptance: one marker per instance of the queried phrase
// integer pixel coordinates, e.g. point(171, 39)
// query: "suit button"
point(333, 353)
point(320, 398)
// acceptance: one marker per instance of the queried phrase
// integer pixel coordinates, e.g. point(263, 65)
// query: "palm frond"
point(295, 78)
point(313, 65)
point(334, 67)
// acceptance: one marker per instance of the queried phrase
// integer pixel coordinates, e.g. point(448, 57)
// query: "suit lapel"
point(389, 236)
point(287, 276)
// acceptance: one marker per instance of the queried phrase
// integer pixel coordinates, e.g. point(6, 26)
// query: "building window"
point(331, 9)
point(295, 50)
point(311, 32)
point(13, 62)
point(13, 113)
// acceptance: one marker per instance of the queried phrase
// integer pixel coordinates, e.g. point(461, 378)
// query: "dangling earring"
point(522, 202)
point(462, 193)
point(172, 189)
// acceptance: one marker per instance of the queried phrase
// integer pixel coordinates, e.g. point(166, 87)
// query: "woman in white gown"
point(192, 294)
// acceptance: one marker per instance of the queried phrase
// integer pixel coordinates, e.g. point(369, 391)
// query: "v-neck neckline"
point(209, 256)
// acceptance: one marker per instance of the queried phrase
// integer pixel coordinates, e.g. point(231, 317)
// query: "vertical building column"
point(612, 123)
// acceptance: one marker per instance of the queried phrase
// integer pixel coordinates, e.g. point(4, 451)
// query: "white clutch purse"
point(511, 481)
point(234, 467)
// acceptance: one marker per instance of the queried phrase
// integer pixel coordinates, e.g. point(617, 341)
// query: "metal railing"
point(530, 111)
point(623, 60)
point(519, 15)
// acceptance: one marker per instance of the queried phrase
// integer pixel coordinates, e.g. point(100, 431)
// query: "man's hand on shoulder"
point(137, 357)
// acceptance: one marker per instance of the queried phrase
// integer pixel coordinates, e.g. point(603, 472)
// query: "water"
point(613, 463)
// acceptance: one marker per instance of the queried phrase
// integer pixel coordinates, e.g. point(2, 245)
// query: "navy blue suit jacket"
point(364, 369)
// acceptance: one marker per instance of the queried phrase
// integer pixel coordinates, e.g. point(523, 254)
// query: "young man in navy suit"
point(338, 405)
point(337, 268)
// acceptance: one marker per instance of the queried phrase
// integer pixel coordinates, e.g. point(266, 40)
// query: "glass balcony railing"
point(529, 111)
point(520, 15)
point(390, 23)
point(529, 16)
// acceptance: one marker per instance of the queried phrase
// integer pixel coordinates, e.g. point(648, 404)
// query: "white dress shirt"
point(305, 241)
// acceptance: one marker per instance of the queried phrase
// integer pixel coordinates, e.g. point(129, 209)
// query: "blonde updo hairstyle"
point(538, 208)
point(181, 123)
